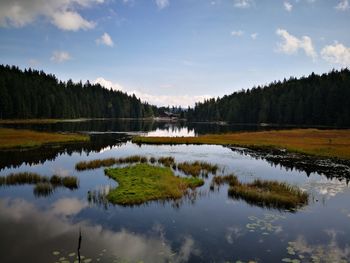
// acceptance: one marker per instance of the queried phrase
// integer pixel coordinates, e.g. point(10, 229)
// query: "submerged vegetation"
point(13, 138)
point(44, 185)
point(327, 143)
point(272, 194)
point(143, 182)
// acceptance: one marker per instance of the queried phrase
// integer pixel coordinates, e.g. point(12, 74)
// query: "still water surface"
point(207, 226)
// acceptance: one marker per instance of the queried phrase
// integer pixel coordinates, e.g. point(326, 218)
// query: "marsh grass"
point(141, 183)
point(23, 178)
point(44, 185)
point(13, 138)
point(98, 163)
point(197, 168)
point(231, 180)
point(272, 194)
point(167, 161)
point(43, 189)
point(327, 143)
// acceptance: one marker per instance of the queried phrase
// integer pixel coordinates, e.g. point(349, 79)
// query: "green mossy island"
point(325, 143)
point(14, 138)
point(141, 183)
point(271, 194)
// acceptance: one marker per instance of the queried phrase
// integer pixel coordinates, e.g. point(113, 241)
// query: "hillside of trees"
point(35, 94)
point(313, 100)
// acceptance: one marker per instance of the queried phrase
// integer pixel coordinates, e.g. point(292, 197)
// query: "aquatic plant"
point(94, 164)
point(99, 196)
point(142, 182)
point(269, 194)
point(23, 178)
point(44, 185)
point(227, 179)
point(166, 161)
point(197, 168)
point(272, 194)
point(132, 159)
point(265, 225)
point(98, 163)
point(43, 189)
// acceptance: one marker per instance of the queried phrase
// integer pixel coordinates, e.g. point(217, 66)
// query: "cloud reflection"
point(36, 233)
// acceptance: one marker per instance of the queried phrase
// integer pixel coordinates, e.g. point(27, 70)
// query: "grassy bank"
point(327, 143)
point(143, 182)
point(13, 138)
point(272, 194)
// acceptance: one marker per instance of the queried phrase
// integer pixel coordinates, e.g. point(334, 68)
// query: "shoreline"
point(24, 139)
point(323, 143)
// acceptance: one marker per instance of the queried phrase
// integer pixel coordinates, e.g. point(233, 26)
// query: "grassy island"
point(326, 143)
point(13, 138)
point(272, 194)
point(141, 183)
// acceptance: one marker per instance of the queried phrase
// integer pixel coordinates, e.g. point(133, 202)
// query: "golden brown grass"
point(262, 193)
point(98, 163)
point(197, 168)
point(13, 138)
point(327, 143)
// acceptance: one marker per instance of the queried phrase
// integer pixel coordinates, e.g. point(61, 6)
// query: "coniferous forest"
point(312, 100)
point(35, 94)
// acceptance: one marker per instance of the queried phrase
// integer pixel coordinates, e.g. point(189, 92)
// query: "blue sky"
point(176, 52)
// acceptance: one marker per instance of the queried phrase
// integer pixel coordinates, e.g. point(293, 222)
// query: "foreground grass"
point(143, 182)
point(327, 143)
point(13, 138)
point(272, 194)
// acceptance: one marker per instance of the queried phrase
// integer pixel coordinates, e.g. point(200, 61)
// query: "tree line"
point(312, 100)
point(34, 94)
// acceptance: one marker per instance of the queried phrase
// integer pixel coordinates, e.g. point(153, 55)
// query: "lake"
point(206, 226)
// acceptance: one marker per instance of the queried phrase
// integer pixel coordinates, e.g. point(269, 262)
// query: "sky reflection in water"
point(209, 227)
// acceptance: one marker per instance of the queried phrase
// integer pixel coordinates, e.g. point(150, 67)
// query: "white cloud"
point(109, 84)
point(288, 6)
point(336, 54)
point(254, 36)
point(72, 21)
point(292, 44)
point(237, 33)
point(61, 13)
point(68, 206)
point(162, 3)
point(60, 56)
point(343, 5)
point(159, 100)
point(51, 225)
point(105, 39)
point(243, 3)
